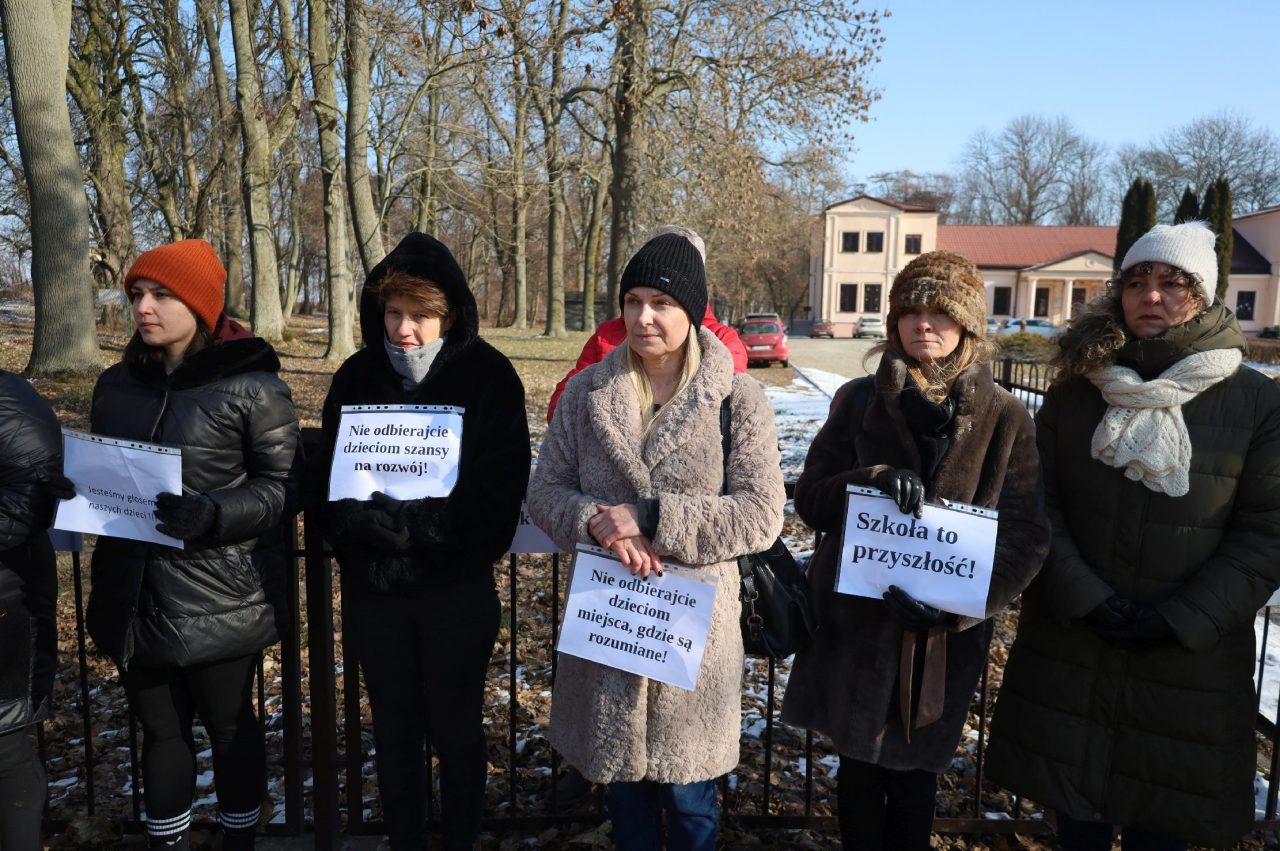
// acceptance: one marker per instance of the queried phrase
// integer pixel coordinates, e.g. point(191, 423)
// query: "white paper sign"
point(655, 627)
point(116, 485)
point(943, 559)
point(529, 538)
point(405, 451)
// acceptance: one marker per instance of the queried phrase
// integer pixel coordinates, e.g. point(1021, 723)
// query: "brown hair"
point(138, 354)
point(1097, 332)
point(425, 293)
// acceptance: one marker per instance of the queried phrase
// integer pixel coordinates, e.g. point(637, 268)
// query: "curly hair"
point(1097, 332)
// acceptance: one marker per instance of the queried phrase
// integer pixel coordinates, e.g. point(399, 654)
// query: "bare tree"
point(1037, 170)
point(933, 189)
point(36, 38)
point(1225, 145)
point(364, 216)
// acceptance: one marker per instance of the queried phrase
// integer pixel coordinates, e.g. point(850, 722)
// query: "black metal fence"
point(316, 721)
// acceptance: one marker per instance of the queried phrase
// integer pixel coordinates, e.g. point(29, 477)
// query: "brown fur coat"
point(846, 684)
point(617, 726)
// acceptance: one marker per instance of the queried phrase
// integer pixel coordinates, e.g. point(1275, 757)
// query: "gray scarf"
point(412, 364)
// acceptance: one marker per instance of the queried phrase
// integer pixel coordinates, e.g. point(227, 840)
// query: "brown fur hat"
point(945, 281)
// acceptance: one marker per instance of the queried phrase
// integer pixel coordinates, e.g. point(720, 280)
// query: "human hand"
point(184, 517)
point(59, 486)
point(1128, 623)
point(379, 531)
point(910, 613)
point(904, 487)
point(638, 554)
point(613, 523)
point(391, 506)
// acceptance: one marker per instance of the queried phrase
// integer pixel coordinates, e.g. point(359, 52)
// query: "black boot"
point(171, 841)
point(238, 840)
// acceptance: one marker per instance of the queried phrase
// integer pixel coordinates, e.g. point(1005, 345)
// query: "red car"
point(765, 342)
point(822, 328)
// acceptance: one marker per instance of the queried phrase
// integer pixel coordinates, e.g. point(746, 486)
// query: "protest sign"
point(655, 627)
point(529, 538)
point(405, 451)
point(116, 485)
point(943, 559)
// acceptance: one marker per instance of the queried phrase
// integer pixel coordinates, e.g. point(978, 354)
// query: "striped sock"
point(168, 832)
point(245, 821)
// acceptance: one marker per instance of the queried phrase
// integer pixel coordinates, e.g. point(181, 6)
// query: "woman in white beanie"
point(1128, 696)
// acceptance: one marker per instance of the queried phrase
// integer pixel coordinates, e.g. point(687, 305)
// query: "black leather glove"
point(1127, 623)
point(185, 517)
point(379, 531)
point(913, 615)
point(904, 487)
point(59, 486)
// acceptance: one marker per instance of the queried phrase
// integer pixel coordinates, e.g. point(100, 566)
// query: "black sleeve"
point(30, 454)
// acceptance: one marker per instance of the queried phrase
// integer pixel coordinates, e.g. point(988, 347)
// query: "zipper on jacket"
point(155, 426)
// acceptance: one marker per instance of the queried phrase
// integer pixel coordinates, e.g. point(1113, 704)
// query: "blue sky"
point(1122, 71)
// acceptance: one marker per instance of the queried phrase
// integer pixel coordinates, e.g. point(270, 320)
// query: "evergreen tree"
point(1137, 216)
point(1217, 212)
point(1188, 208)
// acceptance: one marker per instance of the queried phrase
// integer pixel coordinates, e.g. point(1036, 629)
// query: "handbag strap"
point(724, 444)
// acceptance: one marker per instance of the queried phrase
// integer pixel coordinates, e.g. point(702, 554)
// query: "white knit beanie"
point(1189, 246)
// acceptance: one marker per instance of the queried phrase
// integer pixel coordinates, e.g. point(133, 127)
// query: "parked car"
point(1041, 327)
point(869, 326)
point(993, 326)
point(757, 317)
point(822, 328)
point(765, 341)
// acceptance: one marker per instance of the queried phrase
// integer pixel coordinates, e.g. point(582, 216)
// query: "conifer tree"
point(1137, 216)
point(1188, 208)
point(1216, 210)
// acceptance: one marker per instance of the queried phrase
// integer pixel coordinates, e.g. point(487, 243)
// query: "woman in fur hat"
point(890, 681)
point(633, 461)
point(420, 603)
point(1128, 697)
point(185, 625)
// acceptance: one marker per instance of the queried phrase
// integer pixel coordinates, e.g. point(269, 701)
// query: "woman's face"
point(657, 325)
point(928, 336)
point(161, 317)
point(409, 325)
point(1154, 299)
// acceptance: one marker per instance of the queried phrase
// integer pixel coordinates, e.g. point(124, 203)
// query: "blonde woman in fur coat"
point(633, 462)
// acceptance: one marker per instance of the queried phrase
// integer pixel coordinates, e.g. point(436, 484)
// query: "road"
point(842, 356)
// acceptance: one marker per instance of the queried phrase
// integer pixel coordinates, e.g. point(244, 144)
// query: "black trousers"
point(882, 808)
point(425, 658)
point(165, 701)
point(1077, 835)
point(22, 789)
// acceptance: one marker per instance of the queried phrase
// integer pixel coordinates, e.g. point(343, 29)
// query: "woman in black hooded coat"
point(30, 480)
point(420, 600)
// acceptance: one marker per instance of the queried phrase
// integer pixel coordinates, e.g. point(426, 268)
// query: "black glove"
point(913, 615)
point(394, 508)
point(59, 486)
point(1127, 623)
point(904, 487)
point(379, 531)
point(425, 520)
point(185, 517)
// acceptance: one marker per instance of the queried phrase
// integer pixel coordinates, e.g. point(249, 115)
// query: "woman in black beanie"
point(419, 596)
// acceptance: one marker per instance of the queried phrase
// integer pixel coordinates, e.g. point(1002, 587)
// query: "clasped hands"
point(617, 528)
point(1128, 623)
point(379, 525)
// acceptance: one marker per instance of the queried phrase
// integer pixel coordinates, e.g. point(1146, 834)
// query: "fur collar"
point(614, 410)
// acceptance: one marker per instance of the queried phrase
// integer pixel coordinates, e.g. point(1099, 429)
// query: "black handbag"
point(777, 618)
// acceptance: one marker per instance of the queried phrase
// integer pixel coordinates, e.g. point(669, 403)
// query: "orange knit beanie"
point(190, 270)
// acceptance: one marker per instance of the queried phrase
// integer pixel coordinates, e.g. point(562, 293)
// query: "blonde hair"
point(936, 380)
point(644, 390)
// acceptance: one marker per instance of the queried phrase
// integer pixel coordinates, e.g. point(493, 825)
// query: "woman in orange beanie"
point(185, 626)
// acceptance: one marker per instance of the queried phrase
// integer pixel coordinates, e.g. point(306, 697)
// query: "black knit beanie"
point(672, 264)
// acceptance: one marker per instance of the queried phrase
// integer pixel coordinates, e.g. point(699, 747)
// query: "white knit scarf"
point(1143, 432)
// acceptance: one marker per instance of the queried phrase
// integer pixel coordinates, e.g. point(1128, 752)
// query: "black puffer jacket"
point(30, 453)
point(457, 538)
point(222, 596)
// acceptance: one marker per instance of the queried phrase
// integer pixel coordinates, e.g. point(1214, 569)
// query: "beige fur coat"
point(617, 726)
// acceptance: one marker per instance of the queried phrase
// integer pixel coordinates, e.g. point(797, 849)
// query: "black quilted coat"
point(464, 533)
point(30, 452)
point(221, 596)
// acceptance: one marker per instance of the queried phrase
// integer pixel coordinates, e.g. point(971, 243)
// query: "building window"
point(1244, 305)
point(849, 241)
point(871, 297)
point(1042, 302)
point(913, 244)
point(1001, 299)
point(849, 298)
point(875, 241)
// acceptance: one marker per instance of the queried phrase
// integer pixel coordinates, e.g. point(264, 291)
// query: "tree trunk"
point(629, 147)
point(591, 252)
point(364, 216)
point(519, 210)
point(37, 35)
point(342, 294)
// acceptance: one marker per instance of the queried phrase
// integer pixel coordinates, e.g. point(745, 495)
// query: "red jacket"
point(610, 334)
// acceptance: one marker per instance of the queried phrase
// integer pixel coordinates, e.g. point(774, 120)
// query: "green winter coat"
point(1158, 738)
